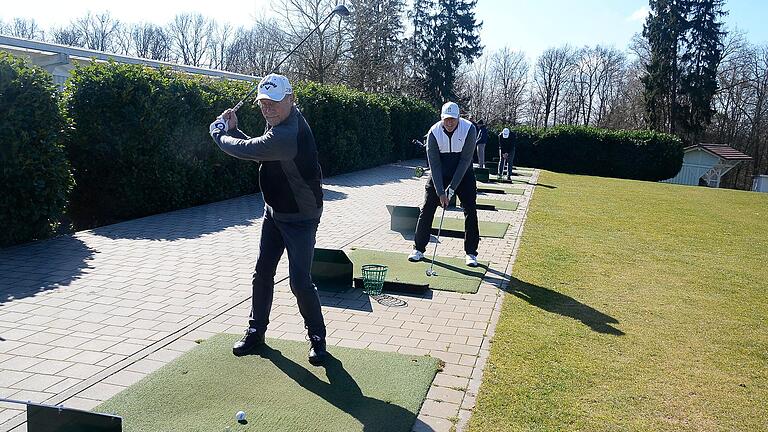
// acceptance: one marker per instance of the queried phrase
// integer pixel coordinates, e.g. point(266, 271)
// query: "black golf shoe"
point(317, 352)
point(250, 341)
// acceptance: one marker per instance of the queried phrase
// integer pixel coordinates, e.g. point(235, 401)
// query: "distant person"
point(482, 140)
point(450, 146)
point(506, 152)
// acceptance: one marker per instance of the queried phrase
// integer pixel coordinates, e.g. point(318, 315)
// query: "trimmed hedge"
point(138, 138)
point(411, 119)
point(639, 155)
point(356, 130)
point(33, 168)
point(138, 142)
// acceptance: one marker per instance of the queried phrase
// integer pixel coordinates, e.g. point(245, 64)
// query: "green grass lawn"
point(633, 306)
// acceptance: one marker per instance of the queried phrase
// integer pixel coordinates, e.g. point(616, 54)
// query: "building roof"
point(63, 53)
point(722, 151)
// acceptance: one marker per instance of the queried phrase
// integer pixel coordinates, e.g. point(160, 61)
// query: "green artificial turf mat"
point(452, 273)
point(514, 180)
point(492, 204)
point(499, 204)
point(455, 225)
point(278, 389)
point(489, 188)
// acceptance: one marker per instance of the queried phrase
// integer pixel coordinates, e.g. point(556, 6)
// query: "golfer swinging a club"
point(450, 146)
point(291, 181)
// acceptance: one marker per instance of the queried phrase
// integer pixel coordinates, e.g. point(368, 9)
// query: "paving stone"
point(440, 409)
point(123, 290)
point(9, 377)
point(446, 394)
point(81, 371)
point(425, 423)
point(37, 382)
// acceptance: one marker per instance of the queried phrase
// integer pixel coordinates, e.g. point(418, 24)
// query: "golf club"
point(430, 271)
point(339, 10)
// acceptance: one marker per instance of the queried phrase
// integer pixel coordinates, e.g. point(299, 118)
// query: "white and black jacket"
point(450, 154)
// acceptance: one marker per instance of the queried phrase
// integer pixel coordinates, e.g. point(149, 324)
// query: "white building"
point(707, 164)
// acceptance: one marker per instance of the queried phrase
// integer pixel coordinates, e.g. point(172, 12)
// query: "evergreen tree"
point(685, 40)
point(421, 49)
point(445, 35)
point(699, 62)
point(663, 29)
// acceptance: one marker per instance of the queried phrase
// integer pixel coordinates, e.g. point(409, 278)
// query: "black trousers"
point(467, 193)
point(299, 239)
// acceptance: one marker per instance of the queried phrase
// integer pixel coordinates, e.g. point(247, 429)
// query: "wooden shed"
point(706, 164)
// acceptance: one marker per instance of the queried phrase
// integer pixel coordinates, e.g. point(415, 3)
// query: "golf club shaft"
point(439, 228)
point(276, 68)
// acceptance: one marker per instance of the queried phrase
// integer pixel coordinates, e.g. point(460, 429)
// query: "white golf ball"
point(240, 416)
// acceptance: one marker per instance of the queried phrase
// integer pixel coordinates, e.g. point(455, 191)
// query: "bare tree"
point(741, 105)
point(218, 52)
point(149, 41)
point(319, 59)
point(71, 36)
point(123, 42)
point(597, 78)
point(474, 88)
point(510, 77)
point(26, 28)
point(99, 31)
point(257, 51)
point(190, 35)
point(550, 77)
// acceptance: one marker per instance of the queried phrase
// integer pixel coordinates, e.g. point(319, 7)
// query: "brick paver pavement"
point(84, 316)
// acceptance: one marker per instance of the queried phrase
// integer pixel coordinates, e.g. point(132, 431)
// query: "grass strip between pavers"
point(456, 225)
point(452, 273)
point(278, 390)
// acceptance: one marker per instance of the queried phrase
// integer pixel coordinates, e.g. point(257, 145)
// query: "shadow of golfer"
point(343, 392)
point(561, 304)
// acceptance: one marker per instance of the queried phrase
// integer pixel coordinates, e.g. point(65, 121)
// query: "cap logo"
point(268, 84)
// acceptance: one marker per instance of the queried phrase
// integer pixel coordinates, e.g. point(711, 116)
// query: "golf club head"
point(341, 10)
point(431, 273)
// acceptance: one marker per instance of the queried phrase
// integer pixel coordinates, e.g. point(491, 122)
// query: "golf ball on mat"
point(240, 416)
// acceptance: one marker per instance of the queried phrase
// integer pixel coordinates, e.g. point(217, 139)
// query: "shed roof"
point(723, 151)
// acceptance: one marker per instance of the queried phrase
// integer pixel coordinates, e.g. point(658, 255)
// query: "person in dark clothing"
point(506, 151)
point(450, 145)
point(482, 140)
point(291, 182)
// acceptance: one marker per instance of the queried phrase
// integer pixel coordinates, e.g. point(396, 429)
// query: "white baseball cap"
point(505, 133)
point(274, 87)
point(450, 110)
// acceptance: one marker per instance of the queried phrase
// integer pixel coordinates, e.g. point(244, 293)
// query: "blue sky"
point(533, 26)
point(527, 25)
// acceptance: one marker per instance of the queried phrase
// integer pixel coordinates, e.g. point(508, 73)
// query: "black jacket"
point(290, 177)
point(506, 145)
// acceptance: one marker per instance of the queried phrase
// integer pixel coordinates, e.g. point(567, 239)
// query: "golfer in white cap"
point(291, 182)
point(506, 151)
point(450, 146)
